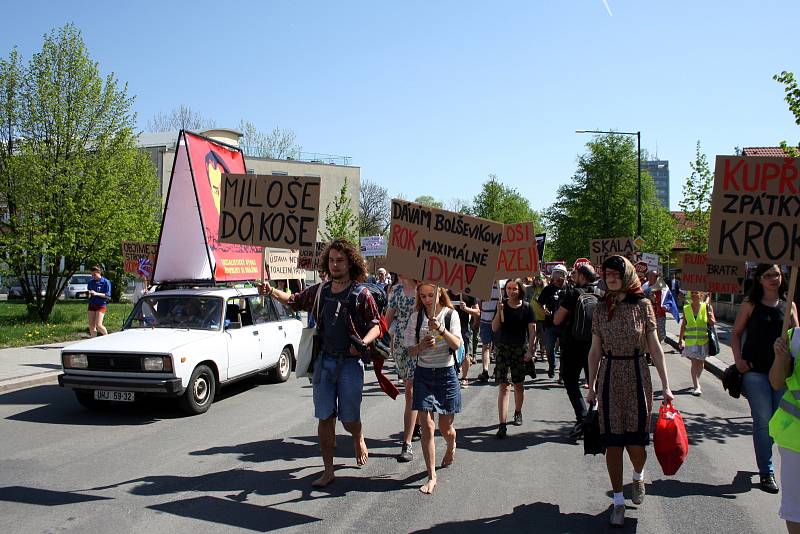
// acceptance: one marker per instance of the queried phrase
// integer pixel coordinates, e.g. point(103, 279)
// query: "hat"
point(587, 271)
point(560, 268)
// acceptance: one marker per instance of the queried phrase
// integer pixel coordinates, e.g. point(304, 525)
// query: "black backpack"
point(377, 292)
point(584, 310)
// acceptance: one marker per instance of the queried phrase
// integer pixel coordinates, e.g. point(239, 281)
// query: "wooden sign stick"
point(263, 271)
point(790, 299)
point(502, 319)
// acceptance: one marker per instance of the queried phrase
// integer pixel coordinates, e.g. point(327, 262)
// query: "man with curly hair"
point(348, 320)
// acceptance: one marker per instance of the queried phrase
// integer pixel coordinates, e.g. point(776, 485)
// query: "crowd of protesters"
point(605, 322)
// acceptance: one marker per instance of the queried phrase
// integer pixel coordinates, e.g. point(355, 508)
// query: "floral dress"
point(404, 307)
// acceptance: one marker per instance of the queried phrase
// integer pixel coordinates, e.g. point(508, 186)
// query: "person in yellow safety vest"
point(698, 314)
point(784, 427)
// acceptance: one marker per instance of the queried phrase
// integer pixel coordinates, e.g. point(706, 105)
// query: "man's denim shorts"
point(338, 391)
point(487, 335)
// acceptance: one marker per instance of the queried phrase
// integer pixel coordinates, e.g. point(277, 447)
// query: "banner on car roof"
point(189, 246)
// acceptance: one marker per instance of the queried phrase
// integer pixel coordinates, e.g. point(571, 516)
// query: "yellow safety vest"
point(784, 427)
point(696, 332)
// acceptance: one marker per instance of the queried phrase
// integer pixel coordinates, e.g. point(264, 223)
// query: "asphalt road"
point(247, 465)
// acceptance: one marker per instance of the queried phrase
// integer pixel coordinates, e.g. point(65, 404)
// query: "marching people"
point(574, 316)
point(623, 330)
point(761, 317)
point(532, 296)
point(514, 327)
point(99, 294)
point(467, 308)
point(784, 427)
point(654, 290)
point(432, 336)
point(398, 312)
point(488, 309)
point(338, 375)
point(549, 301)
point(698, 315)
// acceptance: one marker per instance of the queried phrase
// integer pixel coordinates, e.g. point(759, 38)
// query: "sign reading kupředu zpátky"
point(445, 248)
point(755, 210)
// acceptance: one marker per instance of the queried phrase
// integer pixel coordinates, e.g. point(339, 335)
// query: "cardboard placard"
point(519, 253)
point(755, 210)
point(374, 246)
point(699, 273)
point(652, 260)
point(282, 265)
point(269, 211)
point(449, 249)
point(139, 258)
point(309, 258)
point(600, 249)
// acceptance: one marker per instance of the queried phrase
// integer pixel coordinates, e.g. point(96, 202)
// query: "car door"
point(273, 336)
point(244, 345)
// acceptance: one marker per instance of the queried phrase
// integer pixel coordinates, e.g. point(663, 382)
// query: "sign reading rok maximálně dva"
point(755, 210)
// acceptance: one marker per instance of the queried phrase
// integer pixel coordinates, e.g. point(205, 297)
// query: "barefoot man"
point(338, 377)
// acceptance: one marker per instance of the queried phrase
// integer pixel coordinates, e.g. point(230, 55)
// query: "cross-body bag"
point(309, 343)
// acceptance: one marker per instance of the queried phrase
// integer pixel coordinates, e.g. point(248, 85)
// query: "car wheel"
point(281, 372)
point(86, 399)
point(199, 394)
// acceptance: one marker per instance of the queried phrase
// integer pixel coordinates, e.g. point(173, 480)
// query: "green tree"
point(340, 221)
point(601, 202)
point(498, 202)
point(792, 98)
point(696, 204)
point(427, 200)
point(73, 182)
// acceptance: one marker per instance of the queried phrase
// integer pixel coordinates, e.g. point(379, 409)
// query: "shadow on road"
point(482, 438)
point(701, 427)
point(742, 483)
point(43, 497)
point(545, 516)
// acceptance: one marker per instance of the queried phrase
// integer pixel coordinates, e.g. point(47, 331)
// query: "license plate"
point(120, 396)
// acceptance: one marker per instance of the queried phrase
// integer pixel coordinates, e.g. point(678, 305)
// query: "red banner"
point(208, 162)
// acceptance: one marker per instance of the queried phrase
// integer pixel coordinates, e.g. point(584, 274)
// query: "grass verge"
point(67, 322)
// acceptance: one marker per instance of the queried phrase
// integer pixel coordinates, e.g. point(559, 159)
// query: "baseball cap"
point(560, 269)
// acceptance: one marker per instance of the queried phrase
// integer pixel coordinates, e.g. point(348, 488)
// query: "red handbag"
point(669, 439)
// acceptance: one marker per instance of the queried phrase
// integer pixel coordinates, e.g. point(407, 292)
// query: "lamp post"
point(638, 176)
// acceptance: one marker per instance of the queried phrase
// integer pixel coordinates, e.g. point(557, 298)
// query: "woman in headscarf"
point(623, 330)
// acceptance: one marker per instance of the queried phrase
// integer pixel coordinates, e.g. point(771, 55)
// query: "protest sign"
point(269, 211)
point(540, 239)
point(699, 273)
point(755, 210)
point(139, 258)
point(600, 249)
point(519, 255)
point(442, 247)
point(283, 265)
point(373, 246)
point(308, 258)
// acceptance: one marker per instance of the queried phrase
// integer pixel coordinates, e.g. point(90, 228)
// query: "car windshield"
point(182, 311)
point(82, 279)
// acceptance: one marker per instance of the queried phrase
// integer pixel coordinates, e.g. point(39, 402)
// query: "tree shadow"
point(700, 427)
point(545, 516)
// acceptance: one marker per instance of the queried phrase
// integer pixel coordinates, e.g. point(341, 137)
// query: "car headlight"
point(157, 363)
point(76, 361)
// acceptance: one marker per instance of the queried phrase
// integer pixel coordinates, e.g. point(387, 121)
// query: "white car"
point(184, 343)
point(78, 287)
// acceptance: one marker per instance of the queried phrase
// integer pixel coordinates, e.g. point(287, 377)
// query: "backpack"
point(584, 310)
point(377, 292)
point(459, 353)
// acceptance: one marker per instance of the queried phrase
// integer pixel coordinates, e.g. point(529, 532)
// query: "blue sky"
point(429, 97)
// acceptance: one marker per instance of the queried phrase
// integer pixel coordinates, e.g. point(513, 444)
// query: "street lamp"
point(638, 177)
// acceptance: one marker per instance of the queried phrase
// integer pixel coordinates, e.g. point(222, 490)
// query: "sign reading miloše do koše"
point(445, 248)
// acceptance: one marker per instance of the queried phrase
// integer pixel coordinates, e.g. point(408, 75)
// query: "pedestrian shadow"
point(701, 428)
point(482, 438)
point(671, 488)
point(535, 517)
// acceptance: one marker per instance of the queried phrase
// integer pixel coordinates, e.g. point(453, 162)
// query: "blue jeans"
point(337, 388)
point(551, 334)
point(763, 402)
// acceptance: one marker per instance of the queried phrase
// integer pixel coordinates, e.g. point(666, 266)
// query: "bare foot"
point(449, 456)
point(428, 487)
point(362, 453)
point(325, 479)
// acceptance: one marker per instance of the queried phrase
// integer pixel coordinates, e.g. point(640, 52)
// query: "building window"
point(280, 173)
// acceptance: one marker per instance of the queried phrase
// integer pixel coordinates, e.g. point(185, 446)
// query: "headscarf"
point(630, 281)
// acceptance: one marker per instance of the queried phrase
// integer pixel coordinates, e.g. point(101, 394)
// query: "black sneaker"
point(417, 435)
point(406, 453)
point(768, 484)
point(517, 419)
point(501, 431)
point(484, 376)
point(551, 372)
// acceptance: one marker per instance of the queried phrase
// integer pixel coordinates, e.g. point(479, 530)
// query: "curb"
point(713, 365)
point(14, 384)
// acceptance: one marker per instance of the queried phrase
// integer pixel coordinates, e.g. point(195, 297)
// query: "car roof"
point(223, 292)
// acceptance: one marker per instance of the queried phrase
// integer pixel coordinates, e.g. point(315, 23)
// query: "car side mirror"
point(232, 325)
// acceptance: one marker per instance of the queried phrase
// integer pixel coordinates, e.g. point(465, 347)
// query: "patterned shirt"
point(366, 310)
point(404, 307)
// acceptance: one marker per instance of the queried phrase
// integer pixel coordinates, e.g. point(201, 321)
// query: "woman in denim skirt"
point(432, 336)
